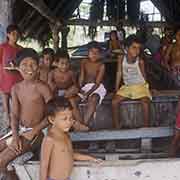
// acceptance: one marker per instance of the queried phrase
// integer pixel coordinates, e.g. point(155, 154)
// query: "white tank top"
point(131, 72)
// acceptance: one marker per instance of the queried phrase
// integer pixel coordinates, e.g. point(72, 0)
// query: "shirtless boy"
point(57, 155)
point(28, 109)
point(63, 83)
point(131, 72)
point(46, 65)
point(172, 57)
point(90, 80)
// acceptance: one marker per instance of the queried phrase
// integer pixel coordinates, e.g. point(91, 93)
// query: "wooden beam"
point(85, 22)
point(108, 135)
point(41, 7)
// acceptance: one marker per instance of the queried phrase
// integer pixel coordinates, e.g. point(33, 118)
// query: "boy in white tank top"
point(131, 81)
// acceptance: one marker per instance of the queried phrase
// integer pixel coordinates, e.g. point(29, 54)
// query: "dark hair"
point(59, 103)
point(60, 53)
point(132, 39)
point(24, 53)
point(177, 29)
point(12, 27)
point(94, 44)
point(49, 51)
point(115, 32)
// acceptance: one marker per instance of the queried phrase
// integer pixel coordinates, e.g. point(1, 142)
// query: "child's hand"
point(99, 161)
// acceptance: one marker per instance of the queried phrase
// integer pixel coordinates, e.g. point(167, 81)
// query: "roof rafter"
point(41, 7)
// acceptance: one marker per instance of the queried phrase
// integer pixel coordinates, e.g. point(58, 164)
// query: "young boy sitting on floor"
point(131, 71)
point(46, 64)
point(28, 109)
point(57, 155)
point(90, 80)
point(62, 81)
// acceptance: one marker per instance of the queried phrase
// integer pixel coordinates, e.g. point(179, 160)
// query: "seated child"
point(63, 83)
point(28, 109)
point(57, 155)
point(131, 71)
point(90, 80)
point(46, 64)
point(114, 42)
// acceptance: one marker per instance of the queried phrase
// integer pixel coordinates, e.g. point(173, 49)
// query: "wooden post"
point(64, 33)
point(55, 35)
point(5, 17)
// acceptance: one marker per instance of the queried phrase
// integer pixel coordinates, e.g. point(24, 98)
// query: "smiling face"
point(28, 68)
point(62, 120)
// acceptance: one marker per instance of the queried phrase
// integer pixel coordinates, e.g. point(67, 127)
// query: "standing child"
point(46, 64)
point(176, 139)
point(28, 109)
point(91, 77)
point(131, 71)
point(63, 82)
point(8, 51)
point(57, 155)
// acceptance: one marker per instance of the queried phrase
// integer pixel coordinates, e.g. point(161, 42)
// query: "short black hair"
point(94, 44)
point(132, 39)
point(11, 28)
point(60, 53)
point(24, 53)
point(49, 51)
point(57, 104)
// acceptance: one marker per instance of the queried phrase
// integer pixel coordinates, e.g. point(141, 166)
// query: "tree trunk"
point(6, 7)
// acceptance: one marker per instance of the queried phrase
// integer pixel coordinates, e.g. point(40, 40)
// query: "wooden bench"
point(162, 112)
point(144, 134)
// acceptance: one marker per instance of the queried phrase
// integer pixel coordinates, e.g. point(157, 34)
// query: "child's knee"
point(94, 98)
point(145, 100)
point(116, 101)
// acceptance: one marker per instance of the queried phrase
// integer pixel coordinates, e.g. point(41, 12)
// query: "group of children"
point(48, 92)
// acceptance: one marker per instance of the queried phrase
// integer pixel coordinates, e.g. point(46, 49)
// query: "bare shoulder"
point(41, 84)
point(16, 87)
point(84, 61)
point(48, 141)
point(42, 87)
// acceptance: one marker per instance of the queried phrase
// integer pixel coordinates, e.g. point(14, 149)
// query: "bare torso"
point(175, 56)
point(91, 70)
point(61, 160)
point(43, 74)
point(63, 80)
point(31, 103)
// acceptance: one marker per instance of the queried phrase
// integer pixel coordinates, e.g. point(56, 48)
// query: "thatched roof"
point(35, 23)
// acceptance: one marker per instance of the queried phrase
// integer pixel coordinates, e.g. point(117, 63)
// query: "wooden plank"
point(108, 135)
point(146, 145)
point(124, 150)
point(130, 156)
point(86, 22)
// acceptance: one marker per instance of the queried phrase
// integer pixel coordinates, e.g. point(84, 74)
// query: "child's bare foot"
point(80, 127)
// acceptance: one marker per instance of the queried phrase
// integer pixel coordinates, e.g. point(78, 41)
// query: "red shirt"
point(8, 78)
